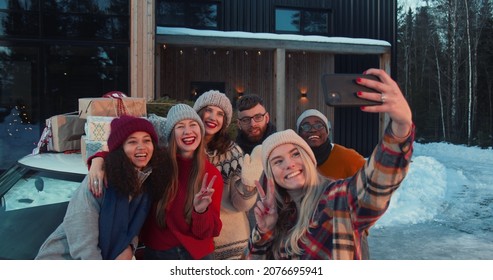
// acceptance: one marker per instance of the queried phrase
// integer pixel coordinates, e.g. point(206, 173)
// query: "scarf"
point(120, 220)
point(322, 152)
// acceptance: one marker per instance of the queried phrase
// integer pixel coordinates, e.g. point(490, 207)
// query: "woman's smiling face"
point(213, 118)
point(187, 137)
point(138, 147)
point(287, 167)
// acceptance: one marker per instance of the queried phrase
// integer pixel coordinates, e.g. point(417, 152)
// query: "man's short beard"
point(254, 138)
point(259, 137)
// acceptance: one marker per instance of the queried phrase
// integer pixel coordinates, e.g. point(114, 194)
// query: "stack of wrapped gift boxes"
point(66, 131)
point(99, 112)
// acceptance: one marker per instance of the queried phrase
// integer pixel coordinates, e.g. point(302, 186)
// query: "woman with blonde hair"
point(303, 215)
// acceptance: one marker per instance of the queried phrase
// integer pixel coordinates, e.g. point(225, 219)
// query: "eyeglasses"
point(256, 118)
point(307, 127)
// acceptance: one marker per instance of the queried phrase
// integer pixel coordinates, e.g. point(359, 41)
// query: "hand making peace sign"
point(266, 209)
point(203, 198)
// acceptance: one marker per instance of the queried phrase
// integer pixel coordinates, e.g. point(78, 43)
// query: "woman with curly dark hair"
point(137, 175)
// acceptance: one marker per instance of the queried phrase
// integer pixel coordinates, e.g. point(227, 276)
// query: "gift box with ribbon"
point(62, 133)
point(112, 107)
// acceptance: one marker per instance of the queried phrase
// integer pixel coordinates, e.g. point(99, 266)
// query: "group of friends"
point(267, 194)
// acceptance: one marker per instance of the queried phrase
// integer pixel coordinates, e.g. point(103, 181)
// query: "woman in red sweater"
point(184, 222)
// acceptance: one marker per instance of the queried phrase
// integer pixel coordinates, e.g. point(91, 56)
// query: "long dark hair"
point(221, 141)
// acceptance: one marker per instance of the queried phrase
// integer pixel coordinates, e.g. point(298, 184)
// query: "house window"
point(287, 20)
point(302, 21)
point(192, 14)
point(68, 19)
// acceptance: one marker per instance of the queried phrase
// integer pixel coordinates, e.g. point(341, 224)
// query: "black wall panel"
point(374, 19)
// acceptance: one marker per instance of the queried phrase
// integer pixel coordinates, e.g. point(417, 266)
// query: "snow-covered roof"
point(187, 36)
point(269, 36)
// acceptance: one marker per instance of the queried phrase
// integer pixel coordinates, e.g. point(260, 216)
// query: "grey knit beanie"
point(215, 98)
point(178, 113)
point(287, 136)
point(312, 113)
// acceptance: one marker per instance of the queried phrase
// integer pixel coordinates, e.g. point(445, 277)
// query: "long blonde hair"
point(285, 235)
point(194, 182)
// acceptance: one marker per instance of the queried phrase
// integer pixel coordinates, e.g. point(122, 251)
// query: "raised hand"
point(203, 198)
point(265, 211)
point(252, 167)
point(394, 102)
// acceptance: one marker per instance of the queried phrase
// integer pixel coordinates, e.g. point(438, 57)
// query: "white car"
point(34, 195)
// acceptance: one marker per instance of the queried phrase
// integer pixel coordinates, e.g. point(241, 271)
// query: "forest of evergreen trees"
point(445, 68)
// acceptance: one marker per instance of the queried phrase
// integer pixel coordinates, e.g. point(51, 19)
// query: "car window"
point(33, 204)
point(37, 189)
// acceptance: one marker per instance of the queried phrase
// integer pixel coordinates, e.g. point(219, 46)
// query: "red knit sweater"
point(196, 237)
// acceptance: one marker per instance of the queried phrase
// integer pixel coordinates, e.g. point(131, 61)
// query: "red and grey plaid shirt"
point(348, 207)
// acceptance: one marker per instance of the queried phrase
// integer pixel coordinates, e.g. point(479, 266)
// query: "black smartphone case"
point(340, 90)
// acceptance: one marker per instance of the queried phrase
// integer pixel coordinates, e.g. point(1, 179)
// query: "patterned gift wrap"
point(98, 128)
point(90, 147)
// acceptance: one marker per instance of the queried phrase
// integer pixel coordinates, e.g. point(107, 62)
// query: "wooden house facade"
point(245, 48)
point(54, 52)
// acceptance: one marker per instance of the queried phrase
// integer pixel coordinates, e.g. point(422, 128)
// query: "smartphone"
point(340, 90)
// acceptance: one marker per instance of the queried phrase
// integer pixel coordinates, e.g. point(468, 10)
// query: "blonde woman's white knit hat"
point(215, 98)
point(312, 113)
point(178, 113)
point(287, 136)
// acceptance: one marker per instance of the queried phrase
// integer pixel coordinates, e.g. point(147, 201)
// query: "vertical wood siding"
point(241, 70)
point(253, 73)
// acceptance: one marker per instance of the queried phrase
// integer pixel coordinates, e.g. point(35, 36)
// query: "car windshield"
point(33, 204)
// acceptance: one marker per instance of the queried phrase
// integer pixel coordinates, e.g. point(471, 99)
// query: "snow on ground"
point(443, 209)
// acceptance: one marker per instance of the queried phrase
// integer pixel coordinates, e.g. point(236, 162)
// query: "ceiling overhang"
point(247, 40)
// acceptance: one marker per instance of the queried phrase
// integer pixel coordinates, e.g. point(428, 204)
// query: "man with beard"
point(333, 160)
point(253, 122)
